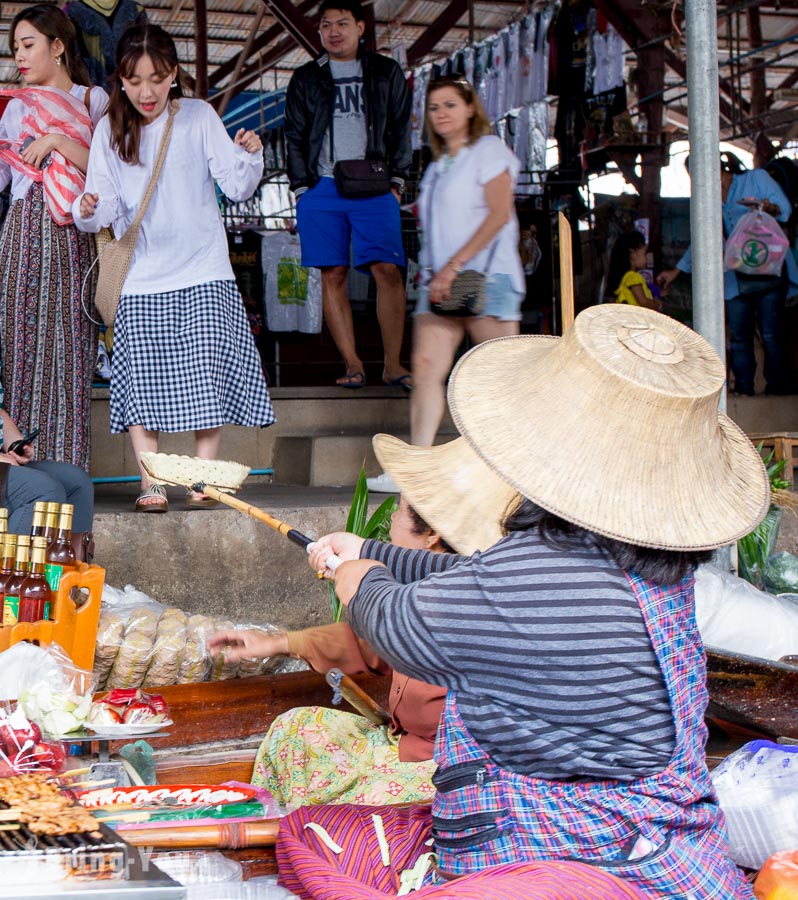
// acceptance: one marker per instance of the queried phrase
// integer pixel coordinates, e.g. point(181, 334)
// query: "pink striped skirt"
point(347, 861)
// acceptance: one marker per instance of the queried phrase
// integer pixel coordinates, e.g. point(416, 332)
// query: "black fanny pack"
point(357, 178)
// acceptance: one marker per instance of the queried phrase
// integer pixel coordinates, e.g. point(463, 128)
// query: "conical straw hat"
point(450, 487)
point(615, 427)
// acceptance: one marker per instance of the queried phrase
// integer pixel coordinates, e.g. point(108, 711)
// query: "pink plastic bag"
point(757, 246)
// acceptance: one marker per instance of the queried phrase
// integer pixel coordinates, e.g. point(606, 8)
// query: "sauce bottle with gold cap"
point(35, 596)
point(14, 583)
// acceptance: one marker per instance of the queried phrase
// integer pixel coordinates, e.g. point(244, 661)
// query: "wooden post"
point(566, 273)
point(201, 45)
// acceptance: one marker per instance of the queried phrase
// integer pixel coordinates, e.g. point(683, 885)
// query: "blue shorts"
point(327, 223)
point(502, 300)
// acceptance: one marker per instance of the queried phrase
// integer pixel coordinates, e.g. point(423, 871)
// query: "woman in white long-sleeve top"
point(184, 358)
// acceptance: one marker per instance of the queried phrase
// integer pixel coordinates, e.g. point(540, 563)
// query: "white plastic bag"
point(757, 246)
point(757, 787)
point(735, 616)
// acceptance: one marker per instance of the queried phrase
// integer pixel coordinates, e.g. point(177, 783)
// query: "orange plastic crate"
point(73, 628)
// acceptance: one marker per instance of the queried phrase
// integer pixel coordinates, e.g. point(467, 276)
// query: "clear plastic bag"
point(53, 692)
point(781, 574)
point(757, 787)
point(757, 246)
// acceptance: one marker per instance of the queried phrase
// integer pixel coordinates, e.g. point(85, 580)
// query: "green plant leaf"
point(378, 528)
point(376, 525)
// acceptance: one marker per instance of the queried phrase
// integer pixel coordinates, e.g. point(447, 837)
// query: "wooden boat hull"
point(756, 696)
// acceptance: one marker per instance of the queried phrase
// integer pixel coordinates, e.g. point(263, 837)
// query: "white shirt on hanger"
point(182, 241)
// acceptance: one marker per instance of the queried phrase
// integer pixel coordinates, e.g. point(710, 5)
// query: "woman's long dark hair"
point(660, 566)
point(125, 119)
point(48, 19)
point(619, 258)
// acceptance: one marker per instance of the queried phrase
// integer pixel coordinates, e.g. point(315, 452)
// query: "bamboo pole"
point(566, 273)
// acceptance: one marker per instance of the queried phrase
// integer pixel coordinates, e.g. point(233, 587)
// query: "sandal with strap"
point(196, 500)
point(152, 500)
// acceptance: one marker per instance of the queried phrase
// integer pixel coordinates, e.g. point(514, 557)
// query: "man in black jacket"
point(351, 105)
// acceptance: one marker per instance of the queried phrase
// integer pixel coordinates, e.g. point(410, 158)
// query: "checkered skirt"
point(185, 360)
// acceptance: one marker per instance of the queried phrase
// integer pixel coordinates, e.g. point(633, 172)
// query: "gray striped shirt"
point(547, 650)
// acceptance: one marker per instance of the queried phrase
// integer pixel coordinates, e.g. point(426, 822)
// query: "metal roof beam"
point(300, 27)
point(258, 45)
point(425, 44)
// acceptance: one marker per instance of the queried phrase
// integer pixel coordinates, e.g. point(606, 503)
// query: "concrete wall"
point(219, 562)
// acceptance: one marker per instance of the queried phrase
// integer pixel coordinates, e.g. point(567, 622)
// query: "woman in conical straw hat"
point(318, 755)
point(574, 727)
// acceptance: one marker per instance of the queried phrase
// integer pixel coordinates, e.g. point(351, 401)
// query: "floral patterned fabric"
point(316, 755)
point(47, 341)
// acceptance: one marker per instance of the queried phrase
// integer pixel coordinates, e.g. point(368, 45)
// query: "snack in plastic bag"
point(132, 660)
point(757, 787)
point(757, 246)
point(130, 706)
point(110, 631)
point(22, 748)
point(57, 694)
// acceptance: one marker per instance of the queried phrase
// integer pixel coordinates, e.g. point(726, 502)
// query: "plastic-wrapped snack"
point(221, 669)
point(171, 626)
point(132, 661)
point(260, 666)
point(174, 614)
point(200, 628)
point(166, 656)
point(109, 636)
point(193, 663)
point(142, 620)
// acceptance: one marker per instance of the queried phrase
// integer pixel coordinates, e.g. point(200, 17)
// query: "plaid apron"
point(664, 833)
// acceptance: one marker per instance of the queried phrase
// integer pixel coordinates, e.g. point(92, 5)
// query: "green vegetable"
point(378, 527)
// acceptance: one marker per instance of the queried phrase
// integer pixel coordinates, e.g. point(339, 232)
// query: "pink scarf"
point(47, 110)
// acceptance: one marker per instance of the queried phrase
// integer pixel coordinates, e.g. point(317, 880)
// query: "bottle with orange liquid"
point(35, 596)
point(15, 579)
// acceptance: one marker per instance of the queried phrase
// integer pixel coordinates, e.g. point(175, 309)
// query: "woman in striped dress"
point(48, 344)
point(184, 358)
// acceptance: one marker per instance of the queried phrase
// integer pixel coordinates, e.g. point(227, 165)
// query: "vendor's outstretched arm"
point(410, 626)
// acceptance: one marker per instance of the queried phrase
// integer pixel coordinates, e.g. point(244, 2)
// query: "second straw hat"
point(450, 487)
point(615, 427)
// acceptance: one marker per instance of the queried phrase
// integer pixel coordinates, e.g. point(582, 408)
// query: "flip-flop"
point(200, 501)
point(352, 380)
point(405, 382)
point(161, 505)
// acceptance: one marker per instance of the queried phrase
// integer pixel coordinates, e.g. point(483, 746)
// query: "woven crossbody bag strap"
point(131, 235)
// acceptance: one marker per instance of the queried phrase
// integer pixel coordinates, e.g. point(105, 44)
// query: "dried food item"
point(142, 620)
point(193, 663)
point(132, 661)
point(166, 656)
point(110, 630)
point(221, 668)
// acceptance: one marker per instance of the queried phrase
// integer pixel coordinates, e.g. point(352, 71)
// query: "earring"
point(58, 60)
point(122, 88)
point(174, 84)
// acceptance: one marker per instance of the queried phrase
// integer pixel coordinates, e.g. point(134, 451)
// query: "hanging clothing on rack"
point(292, 293)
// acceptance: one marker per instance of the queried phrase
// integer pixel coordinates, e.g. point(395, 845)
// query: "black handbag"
point(467, 293)
point(357, 178)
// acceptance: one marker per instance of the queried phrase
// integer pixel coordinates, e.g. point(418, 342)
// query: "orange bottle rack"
point(74, 628)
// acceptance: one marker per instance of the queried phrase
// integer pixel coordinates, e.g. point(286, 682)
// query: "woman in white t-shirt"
point(184, 357)
point(468, 221)
point(48, 344)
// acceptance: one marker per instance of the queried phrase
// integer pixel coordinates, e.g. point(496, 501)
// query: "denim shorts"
point(502, 300)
